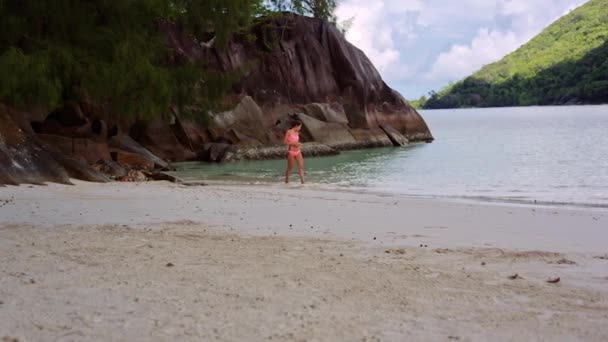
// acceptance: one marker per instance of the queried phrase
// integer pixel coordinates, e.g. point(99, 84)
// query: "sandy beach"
point(160, 261)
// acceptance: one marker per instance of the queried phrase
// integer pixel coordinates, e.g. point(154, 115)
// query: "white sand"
point(89, 262)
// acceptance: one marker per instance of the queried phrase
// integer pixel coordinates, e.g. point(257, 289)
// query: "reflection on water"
point(548, 154)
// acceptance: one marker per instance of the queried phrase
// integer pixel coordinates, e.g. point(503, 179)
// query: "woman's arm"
point(285, 138)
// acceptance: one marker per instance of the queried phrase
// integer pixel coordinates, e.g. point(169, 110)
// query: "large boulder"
point(371, 138)
point(132, 160)
point(247, 112)
point(125, 144)
point(84, 149)
point(328, 133)
point(77, 168)
point(277, 152)
point(394, 135)
point(244, 125)
point(110, 168)
point(308, 61)
point(159, 138)
point(328, 112)
point(217, 152)
point(25, 158)
point(95, 130)
point(197, 134)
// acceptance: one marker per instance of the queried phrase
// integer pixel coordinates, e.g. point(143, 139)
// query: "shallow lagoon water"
point(546, 154)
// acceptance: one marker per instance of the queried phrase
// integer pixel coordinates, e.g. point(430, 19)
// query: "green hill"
point(566, 63)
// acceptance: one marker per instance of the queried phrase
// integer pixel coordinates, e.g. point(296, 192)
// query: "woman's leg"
point(300, 161)
point(289, 167)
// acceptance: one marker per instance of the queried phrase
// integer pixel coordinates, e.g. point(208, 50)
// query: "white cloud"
point(374, 33)
point(369, 33)
point(462, 60)
point(527, 20)
point(436, 41)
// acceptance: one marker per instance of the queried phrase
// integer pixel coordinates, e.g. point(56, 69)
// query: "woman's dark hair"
point(295, 123)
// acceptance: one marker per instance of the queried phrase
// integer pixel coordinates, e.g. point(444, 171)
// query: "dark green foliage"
point(323, 9)
point(219, 17)
point(110, 52)
point(566, 63)
point(418, 103)
point(28, 79)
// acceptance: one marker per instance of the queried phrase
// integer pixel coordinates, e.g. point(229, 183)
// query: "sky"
point(422, 45)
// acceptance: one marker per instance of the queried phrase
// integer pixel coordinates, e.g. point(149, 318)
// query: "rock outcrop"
point(293, 64)
point(25, 158)
point(301, 64)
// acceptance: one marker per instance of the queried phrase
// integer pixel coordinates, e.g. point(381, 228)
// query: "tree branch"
point(208, 44)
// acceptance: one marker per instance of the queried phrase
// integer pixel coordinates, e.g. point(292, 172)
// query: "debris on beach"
point(395, 251)
point(563, 261)
point(133, 176)
point(7, 201)
point(169, 264)
point(514, 276)
point(601, 257)
point(443, 250)
point(553, 280)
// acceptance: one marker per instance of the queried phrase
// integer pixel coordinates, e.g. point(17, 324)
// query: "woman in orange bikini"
point(292, 139)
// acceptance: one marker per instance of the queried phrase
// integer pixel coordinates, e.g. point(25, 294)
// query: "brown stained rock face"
point(22, 159)
point(329, 133)
point(88, 150)
point(333, 112)
point(159, 138)
point(393, 135)
point(124, 143)
point(110, 168)
point(25, 158)
point(132, 160)
point(296, 61)
point(371, 137)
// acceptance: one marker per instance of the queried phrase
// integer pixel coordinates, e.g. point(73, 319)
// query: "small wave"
point(529, 201)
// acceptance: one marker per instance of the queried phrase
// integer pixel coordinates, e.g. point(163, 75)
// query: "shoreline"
point(156, 261)
point(467, 199)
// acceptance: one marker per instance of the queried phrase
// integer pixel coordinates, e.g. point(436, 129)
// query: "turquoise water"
point(544, 154)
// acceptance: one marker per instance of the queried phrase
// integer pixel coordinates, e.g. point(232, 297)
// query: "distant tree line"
point(583, 81)
point(567, 63)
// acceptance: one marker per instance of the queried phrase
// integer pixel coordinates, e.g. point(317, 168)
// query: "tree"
point(110, 52)
point(322, 9)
